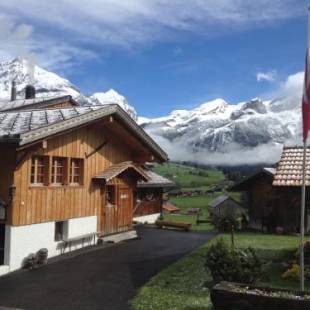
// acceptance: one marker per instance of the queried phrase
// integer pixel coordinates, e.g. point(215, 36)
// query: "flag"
point(306, 99)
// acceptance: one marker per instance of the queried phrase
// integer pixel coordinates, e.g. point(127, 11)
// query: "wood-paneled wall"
point(33, 204)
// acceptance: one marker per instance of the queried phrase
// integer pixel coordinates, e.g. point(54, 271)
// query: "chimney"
point(13, 91)
point(30, 92)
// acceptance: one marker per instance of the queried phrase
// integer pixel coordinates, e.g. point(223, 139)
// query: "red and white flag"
point(306, 98)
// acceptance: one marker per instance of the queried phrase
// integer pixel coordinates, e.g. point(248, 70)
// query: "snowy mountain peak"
point(215, 106)
point(112, 96)
point(47, 84)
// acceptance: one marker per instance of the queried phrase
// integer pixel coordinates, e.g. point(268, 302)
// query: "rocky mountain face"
point(50, 84)
point(215, 132)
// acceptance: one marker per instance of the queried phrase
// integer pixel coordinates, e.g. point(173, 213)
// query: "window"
point(76, 171)
point(39, 170)
point(59, 231)
point(110, 194)
point(58, 170)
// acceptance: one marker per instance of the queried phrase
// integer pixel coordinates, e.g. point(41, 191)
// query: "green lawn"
point(184, 284)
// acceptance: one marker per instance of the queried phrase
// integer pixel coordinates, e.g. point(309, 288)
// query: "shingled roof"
point(155, 180)
point(115, 170)
point(37, 103)
point(289, 169)
point(28, 126)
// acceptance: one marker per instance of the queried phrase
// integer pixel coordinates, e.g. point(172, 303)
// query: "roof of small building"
point(289, 168)
point(115, 170)
point(242, 185)
point(219, 200)
point(41, 102)
point(28, 126)
point(168, 206)
point(155, 180)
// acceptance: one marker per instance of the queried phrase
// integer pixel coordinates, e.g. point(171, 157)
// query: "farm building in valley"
point(68, 175)
point(227, 207)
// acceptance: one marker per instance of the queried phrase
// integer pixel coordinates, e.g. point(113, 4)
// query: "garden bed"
point(228, 295)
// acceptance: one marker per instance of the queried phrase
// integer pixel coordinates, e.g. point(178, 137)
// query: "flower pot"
point(230, 296)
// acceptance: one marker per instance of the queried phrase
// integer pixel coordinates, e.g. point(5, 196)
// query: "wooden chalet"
point(68, 174)
point(149, 202)
point(274, 195)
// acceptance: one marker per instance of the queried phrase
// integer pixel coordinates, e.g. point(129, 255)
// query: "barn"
point(260, 196)
point(69, 174)
point(225, 206)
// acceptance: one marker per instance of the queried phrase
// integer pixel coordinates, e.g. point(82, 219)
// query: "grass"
point(202, 202)
point(184, 284)
point(190, 178)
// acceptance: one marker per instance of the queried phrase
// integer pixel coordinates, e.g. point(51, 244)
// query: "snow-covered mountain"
point(50, 84)
point(215, 132)
point(219, 133)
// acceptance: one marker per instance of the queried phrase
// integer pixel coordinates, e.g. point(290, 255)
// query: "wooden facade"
point(99, 146)
point(272, 207)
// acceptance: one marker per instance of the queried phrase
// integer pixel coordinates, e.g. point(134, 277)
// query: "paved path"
point(103, 278)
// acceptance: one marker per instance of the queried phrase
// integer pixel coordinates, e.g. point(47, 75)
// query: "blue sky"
point(162, 57)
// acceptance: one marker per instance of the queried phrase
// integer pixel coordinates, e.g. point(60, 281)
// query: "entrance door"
point(118, 211)
point(2, 238)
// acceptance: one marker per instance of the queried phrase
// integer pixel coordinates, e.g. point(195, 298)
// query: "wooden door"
point(118, 216)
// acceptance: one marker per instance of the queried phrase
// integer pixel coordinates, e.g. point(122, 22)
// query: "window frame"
point(43, 176)
point(58, 163)
point(72, 171)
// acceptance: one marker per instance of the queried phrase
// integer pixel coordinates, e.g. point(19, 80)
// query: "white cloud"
point(234, 154)
point(133, 23)
point(269, 76)
point(293, 85)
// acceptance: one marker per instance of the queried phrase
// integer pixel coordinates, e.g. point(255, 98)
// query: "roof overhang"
point(115, 170)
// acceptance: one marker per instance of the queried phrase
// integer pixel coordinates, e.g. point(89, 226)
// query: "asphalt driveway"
point(100, 278)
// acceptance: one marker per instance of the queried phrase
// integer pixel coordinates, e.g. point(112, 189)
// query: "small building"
point(259, 198)
point(224, 206)
point(68, 174)
point(149, 197)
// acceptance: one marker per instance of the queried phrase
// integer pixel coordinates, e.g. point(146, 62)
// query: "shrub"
point(293, 272)
point(233, 265)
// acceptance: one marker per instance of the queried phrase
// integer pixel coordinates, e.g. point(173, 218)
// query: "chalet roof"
point(38, 103)
point(25, 127)
point(155, 180)
point(115, 170)
point(289, 168)
point(243, 184)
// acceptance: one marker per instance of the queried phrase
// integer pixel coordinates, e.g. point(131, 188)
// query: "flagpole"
point(302, 219)
point(303, 188)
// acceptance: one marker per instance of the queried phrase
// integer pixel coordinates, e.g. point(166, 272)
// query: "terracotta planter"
point(225, 297)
